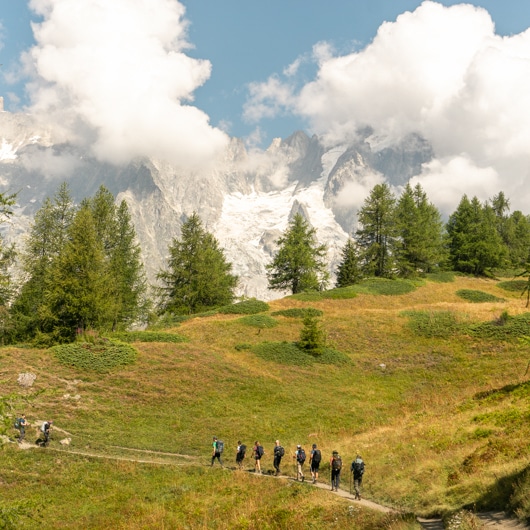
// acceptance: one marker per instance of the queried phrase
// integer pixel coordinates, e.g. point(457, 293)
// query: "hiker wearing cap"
point(217, 450)
point(314, 462)
point(357, 468)
point(46, 431)
point(279, 451)
point(299, 456)
point(335, 463)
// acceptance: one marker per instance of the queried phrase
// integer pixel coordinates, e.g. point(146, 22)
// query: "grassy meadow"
point(426, 380)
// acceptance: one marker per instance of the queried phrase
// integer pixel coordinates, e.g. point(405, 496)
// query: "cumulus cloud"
point(115, 75)
point(438, 71)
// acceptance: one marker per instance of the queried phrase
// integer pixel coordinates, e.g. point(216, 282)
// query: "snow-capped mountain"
point(246, 200)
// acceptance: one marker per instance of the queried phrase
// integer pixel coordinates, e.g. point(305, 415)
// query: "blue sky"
point(248, 41)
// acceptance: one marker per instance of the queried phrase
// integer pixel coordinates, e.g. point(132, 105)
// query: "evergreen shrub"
point(340, 293)
point(385, 286)
point(259, 321)
point(477, 297)
point(513, 286)
point(431, 324)
point(246, 307)
point(298, 312)
point(101, 356)
point(147, 336)
point(441, 277)
point(505, 328)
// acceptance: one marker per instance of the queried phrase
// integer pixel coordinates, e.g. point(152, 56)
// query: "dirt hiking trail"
point(489, 520)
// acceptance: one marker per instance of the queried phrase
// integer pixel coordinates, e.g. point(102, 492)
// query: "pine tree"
point(349, 271)
point(80, 296)
point(312, 336)
point(474, 242)
point(299, 263)
point(197, 277)
point(420, 248)
point(378, 236)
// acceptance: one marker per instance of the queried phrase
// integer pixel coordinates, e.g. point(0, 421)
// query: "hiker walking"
point(357, 468)
point(335, 463)
point(299, 456)
point(21, 425)
point(217, 451)
point(240, 454)
point(258, 453)
point(46, 430)
point(314, 462)
point(279, 451)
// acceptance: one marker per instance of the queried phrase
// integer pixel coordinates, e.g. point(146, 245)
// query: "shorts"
point(314, 467)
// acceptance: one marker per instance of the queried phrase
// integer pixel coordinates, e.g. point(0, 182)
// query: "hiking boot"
point(303, 478)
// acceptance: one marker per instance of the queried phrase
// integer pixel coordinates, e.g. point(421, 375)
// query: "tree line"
point(80, 267)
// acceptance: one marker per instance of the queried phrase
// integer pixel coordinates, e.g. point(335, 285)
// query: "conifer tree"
point(349, 271)
point(378, 236)
point(421, 233)
point(197, 276)
point(299, 263)
point(474, 242)
point(80, 294)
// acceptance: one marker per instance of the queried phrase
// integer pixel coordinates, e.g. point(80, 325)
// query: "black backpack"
point(16, 425)
point(242, 449)
point(357, 467)
point(317, 456)
point(219, 446)
point(300, 456)
point(259, 450)
point(336, 463)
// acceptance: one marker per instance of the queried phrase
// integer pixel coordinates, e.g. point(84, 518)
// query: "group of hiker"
point(299, 457)
point(45, 430)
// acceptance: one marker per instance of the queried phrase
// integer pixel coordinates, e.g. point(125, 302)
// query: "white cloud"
point(115, 72)
point(438, 71)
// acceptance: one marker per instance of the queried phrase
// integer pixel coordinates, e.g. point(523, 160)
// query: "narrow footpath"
point(490, 520)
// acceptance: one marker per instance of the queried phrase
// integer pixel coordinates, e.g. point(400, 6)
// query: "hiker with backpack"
point(357, 469)
point(299, 456)
point(217, 451)
point(335, 464)
point(21, 424)
point(46, 429)
point(314, 462)
point(240, 454)
point(279, 451)
point(258, 453)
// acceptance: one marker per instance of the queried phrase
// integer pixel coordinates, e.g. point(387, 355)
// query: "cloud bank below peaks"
point(114, 75)
point(438, 71)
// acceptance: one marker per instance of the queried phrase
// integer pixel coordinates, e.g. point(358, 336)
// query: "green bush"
point(309, 296)
point(513, 286)
point(247, 307)
point(431, 324)
point(477, 297)
point(259, 321)
point(99, 357)
point(441, 277)
point(505, 328)
point(386, 287)
point(340, 293)
point(298, 312)
point(289, 353)
point(146, 336)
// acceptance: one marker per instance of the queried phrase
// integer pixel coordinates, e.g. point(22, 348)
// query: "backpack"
point(358, 467)
point(16, 425)
point(336, 463)
point(219, 446)
point(300, 457)
point(242, 449)
point(317, 456)
point(259, 450)
point(279, 451)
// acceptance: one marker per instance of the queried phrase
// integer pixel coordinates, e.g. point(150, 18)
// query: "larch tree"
point(300, 262)
point(377, 236)
point(197, 276)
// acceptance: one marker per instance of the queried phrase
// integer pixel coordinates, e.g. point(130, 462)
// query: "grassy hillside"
point(425, 379)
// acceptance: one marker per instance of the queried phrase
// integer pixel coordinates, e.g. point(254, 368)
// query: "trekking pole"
point(351, 482)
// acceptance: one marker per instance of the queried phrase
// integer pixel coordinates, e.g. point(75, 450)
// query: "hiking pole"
point(351, 482)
